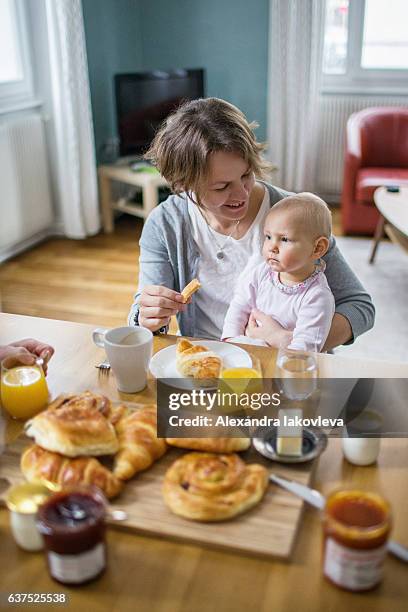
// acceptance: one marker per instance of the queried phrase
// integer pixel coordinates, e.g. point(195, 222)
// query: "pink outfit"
point(306, 308)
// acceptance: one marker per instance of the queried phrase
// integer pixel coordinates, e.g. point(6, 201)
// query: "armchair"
point(376, 154)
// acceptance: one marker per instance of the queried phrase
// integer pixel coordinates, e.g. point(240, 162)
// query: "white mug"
point(359, 450)
point(129, 350)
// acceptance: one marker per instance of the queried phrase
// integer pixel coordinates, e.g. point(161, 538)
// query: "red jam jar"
point(356, 528)
point(72, 523)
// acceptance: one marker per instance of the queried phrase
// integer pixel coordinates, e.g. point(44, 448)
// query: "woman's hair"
point(198, 128)
point(310, 210)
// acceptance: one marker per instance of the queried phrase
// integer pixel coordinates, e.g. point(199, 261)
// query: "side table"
point(149, 183)
point(393, 209)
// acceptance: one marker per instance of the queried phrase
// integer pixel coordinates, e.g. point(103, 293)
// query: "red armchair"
point(376, 154)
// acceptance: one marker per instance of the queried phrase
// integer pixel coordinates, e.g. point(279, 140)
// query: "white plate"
point(163, 363)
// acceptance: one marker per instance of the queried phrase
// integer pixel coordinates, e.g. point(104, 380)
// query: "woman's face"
point(228, 186)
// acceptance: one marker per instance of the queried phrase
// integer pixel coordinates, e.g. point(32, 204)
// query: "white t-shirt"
point(219, 277)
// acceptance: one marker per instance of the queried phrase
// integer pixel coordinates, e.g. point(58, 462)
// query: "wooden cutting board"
point(268, 530)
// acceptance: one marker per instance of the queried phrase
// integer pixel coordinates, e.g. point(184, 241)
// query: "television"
point(145, 99)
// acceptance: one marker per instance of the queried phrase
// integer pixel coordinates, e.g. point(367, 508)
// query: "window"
point(15, 66)
point(385, 35)
point(366, 44)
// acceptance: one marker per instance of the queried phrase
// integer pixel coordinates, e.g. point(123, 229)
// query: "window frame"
point(20, 94)
point(356, 78)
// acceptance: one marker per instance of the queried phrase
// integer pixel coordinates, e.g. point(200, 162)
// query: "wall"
point(114, 44)
point(229, 38)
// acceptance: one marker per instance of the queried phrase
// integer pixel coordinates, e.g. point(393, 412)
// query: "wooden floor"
point(88, 281)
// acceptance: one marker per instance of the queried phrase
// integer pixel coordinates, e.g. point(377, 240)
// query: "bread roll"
point(38, 464)
point(87, 398)
point(139, 446)
point(74, 430)
point(209, 487)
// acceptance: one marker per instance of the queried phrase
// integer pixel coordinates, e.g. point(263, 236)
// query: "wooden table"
point(393, 209)
point(122, 173)
point(148, 574)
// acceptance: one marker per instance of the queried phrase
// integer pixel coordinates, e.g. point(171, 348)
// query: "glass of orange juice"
point(244, 379)
point(239, 380)
point(24, 390)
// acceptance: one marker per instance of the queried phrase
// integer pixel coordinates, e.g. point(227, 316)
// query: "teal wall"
point(113, 44)
point(229, 38)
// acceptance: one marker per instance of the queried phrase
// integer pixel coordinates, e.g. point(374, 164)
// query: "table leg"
point(379, 232)
point(150, 198)
point(106, 204)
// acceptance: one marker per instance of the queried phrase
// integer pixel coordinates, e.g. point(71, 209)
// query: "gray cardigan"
point(169, 257)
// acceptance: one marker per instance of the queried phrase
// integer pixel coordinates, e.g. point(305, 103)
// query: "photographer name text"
point(246, 421)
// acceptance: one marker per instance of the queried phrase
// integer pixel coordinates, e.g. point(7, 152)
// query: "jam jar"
point(72, 523)
point(356, 528)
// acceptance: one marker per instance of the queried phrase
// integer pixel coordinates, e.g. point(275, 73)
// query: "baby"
point(290, 284)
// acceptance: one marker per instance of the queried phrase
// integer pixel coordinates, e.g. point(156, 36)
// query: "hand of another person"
point(157, 305)
point(25, 352)
point(264, 327)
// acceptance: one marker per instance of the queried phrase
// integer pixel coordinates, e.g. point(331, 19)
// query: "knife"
point(317, 500)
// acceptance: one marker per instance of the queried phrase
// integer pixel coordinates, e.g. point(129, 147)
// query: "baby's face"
point(286, 247)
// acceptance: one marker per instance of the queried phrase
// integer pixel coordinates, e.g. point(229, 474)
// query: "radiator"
point(334, 112)
point(25, 198)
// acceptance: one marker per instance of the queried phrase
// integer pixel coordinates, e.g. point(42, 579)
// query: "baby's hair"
point(312, 211)
point(198, 128)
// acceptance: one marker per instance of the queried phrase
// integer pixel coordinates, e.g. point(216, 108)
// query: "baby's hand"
point(264, 327)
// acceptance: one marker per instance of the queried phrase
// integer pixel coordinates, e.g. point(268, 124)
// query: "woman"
point(208, 153)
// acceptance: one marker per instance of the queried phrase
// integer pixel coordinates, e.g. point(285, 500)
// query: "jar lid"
point(25, 498)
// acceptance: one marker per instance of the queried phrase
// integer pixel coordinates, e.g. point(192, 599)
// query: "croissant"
point(197, 360)
point(38, 464)
point(209, 487)
point(211, 445)
point(139, 446)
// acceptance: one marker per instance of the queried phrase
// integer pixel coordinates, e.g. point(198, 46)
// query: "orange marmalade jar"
point(356, 527)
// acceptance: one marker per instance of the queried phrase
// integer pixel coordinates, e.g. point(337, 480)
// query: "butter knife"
point(317, 500)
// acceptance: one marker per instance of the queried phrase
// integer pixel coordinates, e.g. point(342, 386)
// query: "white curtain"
point(296, 35)
point(77, 183)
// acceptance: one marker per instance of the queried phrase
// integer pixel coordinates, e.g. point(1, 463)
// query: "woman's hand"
point(157, 305)
point(264, 327)
point(25, 352)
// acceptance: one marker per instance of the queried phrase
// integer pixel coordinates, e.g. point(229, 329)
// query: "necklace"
point(220, 248)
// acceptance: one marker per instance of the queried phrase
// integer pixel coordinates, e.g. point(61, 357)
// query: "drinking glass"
point(243, 379)
point(241, 383)
point(24, 390)
point(296, 372)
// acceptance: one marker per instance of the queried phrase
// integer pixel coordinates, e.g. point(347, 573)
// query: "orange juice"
point(240, 373)
point(243, 380)
point(24, 391)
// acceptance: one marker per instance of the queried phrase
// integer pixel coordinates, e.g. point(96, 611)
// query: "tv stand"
point(121, 172)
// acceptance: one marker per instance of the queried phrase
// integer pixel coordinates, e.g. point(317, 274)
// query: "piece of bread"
point(189, 289)
point(211, 445)
point(139, 446)
point(209, 487)
point(39, 465)
point(74, 430)
point(87, 398)
point(197, 360)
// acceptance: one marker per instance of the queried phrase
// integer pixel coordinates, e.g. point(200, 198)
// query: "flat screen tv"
point(144, 99)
